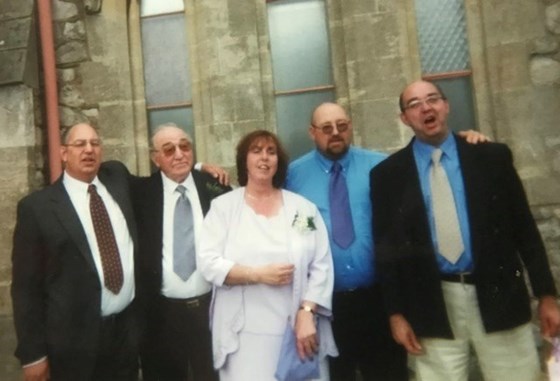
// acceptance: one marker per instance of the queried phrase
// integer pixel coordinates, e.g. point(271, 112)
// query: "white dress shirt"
point(78, 192)
point(173, 286)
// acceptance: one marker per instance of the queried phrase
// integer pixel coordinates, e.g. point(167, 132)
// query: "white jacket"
point(308, 249)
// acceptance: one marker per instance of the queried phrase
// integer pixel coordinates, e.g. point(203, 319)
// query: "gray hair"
point(163, 126)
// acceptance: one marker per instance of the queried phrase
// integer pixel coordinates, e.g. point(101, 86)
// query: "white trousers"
point(503, 356)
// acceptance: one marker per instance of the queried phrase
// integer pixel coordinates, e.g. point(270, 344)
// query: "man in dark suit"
point(177, 341)
point(73, 271)
point(452, 261)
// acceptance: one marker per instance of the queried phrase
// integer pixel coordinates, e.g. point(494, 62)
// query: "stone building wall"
point(515, 45)
point(94, 74)
point(544, 73)
point(21, 156)
point(20, 139)
point(515, 51)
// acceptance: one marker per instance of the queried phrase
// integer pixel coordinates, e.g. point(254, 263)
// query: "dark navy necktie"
point(341, 215)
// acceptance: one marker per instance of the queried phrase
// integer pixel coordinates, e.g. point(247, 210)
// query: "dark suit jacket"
point(56, 291)
point(505, 241)
point(148, 206)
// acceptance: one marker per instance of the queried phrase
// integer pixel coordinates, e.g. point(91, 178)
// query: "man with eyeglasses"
point(360, 324)
point(170, 206)
point(73, 281)
point(454, 236)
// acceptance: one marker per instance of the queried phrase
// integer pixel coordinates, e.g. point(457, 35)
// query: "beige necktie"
point(448, 232)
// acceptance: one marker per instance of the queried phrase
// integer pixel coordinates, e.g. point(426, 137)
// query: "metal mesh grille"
point(442, 35)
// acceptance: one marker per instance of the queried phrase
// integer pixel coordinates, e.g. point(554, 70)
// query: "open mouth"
point(430, 119)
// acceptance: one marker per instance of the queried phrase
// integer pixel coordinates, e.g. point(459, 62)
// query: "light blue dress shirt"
point(309, 176)
point(451, 164)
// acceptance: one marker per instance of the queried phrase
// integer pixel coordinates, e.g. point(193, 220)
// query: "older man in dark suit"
point(170, 206)
point(73, 280)
point(454, 236)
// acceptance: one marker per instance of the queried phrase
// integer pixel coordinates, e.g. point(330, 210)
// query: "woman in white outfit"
point(266, 251)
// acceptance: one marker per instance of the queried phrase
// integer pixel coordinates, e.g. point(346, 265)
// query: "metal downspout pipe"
point(51, 91)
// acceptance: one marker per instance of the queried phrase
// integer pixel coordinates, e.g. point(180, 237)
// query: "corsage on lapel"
point(303, 224)
point(215, 189)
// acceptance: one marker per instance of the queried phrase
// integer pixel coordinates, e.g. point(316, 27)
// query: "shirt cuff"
point(44, 358)
point(198, 166)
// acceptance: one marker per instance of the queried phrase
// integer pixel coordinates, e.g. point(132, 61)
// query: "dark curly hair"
point(245, 145)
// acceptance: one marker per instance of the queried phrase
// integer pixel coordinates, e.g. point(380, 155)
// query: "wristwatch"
point(307, 308)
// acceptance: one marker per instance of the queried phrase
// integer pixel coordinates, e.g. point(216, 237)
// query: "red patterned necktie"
point(108, 250)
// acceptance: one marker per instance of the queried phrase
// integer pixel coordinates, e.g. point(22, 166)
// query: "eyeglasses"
point(82, 143)
point(328, 129)
point(168, 149)
point(430, 100)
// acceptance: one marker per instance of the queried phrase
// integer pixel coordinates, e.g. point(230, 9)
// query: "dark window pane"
point(183, 117)
point(299, 43)
point(293, 116)
point(166, 59)
point(459, 95)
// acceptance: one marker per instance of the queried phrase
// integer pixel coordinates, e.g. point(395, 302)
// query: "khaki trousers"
point(506, 355)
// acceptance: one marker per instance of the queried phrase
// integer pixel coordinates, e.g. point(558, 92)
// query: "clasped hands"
point(279, 274)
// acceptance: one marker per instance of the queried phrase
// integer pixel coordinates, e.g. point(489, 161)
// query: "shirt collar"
point(169, 186)
point(423, 151)
point(326, 163)
point(76, 185)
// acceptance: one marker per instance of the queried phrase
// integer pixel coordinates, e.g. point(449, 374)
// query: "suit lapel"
point(203, 193)
point(154, 196)
point(68, 217)
point(474, 184)
point(119, 190)
point(148, 193)
point(413, 197)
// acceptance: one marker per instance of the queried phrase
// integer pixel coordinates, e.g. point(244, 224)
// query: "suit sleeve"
point(28, 291)
point(386, 255)
point(526, 234)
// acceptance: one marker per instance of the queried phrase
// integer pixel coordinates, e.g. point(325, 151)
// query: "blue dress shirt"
point(309, 176)
point(451, 164)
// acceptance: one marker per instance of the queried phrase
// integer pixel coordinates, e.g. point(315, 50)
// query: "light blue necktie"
point(183, 236)
point(341, 215)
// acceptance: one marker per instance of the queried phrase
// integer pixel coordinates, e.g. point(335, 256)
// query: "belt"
point(112, 319)
point(193, 302)
point(358, 291)
point(465, 278)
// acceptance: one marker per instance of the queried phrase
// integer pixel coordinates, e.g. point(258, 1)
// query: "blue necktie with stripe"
point(341, 215)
